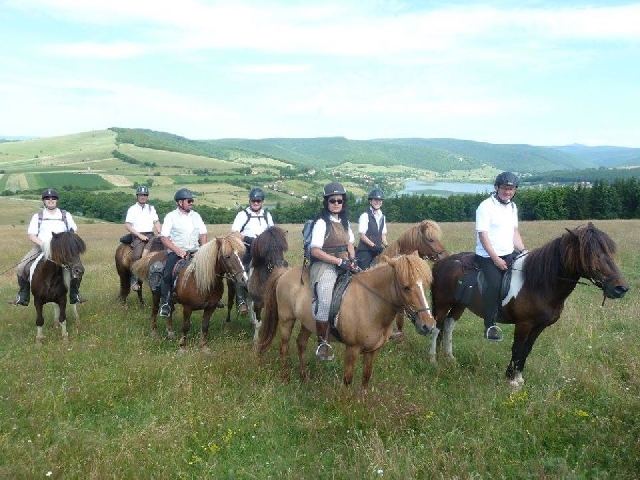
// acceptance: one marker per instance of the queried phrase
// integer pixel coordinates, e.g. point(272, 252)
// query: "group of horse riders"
point(332, 243)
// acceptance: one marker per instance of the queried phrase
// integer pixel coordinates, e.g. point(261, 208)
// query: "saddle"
point(474, 278)
point(339, 289)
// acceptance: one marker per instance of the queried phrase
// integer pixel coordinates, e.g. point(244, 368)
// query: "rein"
point(409, 311)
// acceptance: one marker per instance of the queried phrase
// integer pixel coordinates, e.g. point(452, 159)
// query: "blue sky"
point(536, 72)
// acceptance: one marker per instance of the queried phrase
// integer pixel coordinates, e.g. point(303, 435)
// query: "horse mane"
point(426, 230)
point(64, 247)
point(268, 247)
point(575, 253)
point(205, 260)
point(411, 269)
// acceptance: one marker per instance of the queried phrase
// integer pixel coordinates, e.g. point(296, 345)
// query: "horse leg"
point(125, 286)
point(206, 318)
point(398, 334)
point(433, 349)
point(186, 326)
point(155, 306)
point(231, 296)
point(523, 341)
point(301, 342)
point(255, 313)
point(62, 320)
point(367, 369)
point(286, 328)
point(39, 322)
point(139, 292)
point(351, 354)
point(449, 325)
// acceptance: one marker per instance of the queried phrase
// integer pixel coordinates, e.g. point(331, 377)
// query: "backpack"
point(307, 229)
point(64, 219)
point(265, 212)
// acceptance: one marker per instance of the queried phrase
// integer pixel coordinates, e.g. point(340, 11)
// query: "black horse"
point(53, 272)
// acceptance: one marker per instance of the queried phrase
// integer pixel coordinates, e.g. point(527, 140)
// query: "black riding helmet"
point(183, 194)
point(256, 193)
point(376, 194)
point(333, 188)
point(50, 192)
point(506, 178)
point(142, 190)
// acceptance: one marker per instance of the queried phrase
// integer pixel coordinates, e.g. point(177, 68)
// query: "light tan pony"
point(364, 321)
point(200, 284)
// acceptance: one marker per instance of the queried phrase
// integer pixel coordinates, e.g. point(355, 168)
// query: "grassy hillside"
point(223, 171)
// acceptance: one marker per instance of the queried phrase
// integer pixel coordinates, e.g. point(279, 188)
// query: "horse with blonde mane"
point(199, 284)
point(363, 322)
point(426, 238)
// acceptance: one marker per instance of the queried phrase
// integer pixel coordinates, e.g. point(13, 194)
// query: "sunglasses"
point(336, 200)
point(50, 198)
point(257, 200)
point(190, 201)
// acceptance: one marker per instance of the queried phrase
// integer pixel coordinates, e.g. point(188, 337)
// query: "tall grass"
point(117, 403)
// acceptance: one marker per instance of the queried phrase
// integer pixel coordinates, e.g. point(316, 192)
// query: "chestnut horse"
point(267, 253)
point(124, 262)
point(363, 323)
point(541, 282)
point(51, 276)
point(199, 285)
point(426, 238)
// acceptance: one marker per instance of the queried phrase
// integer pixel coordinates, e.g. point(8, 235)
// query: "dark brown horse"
point(541, 282)
point(51, 276)
point(426, 238)
point(363, 323)
point(199, 285)
point(267, 253)
point(124, 262)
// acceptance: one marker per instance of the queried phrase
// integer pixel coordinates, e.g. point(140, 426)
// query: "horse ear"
point(571, 232)
point(55, 235)
point(384, 258)
point(416, 253)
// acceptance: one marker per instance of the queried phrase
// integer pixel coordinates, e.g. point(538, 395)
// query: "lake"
point(443, 189)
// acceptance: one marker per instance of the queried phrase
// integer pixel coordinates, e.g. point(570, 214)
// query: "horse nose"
point(620, 290)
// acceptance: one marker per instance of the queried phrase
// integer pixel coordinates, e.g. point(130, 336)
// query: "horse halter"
point(434, 255)
point(410, 311)
point(229, 272)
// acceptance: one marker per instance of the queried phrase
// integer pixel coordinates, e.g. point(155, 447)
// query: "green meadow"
point(117, 403)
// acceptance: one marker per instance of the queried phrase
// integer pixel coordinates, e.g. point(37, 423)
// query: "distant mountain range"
point(435, 154)
point(439, 155)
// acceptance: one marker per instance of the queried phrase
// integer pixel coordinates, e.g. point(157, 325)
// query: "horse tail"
point(141, 267)
point(270, 317)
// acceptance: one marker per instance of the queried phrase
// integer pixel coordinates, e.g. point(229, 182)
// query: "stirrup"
point(165, 310)
point(493, 333)
point(329, 352)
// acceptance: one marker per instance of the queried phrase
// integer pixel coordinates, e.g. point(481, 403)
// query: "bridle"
point(409, 310)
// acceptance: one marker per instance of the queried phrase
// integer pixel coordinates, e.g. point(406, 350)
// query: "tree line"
point(603, 200)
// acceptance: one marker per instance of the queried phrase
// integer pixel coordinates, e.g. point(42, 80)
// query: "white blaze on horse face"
point(517, 279)
point(424, 297)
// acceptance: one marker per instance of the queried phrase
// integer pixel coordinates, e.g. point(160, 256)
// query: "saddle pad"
point(33, 266)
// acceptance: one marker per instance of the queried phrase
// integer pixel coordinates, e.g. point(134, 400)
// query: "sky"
point(531, 72)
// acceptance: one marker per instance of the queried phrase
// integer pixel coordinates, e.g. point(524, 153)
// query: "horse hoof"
point(182, 351)
point(39, 342)
point(432, 360)
point(206, 350)
point(153, 334)
point(171, 335)
point(397, 336)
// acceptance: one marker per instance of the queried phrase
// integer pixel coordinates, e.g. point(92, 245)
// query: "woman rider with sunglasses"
point(331, 250)
point(183, 231)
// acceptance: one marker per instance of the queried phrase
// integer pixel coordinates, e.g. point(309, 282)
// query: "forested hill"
point(439, 155)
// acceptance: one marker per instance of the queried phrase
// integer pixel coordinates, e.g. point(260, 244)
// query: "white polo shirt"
point(51, 223)
point(183, 230)
point(142, 217)
point(500, 221)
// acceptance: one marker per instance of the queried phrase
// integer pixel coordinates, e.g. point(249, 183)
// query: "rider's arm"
point(35, 239)
point(517, 241)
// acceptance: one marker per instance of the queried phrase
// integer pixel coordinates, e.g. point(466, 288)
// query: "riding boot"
point(241, 299)
point(23, 296)
point(74, 292)
point(165, 294)
point(324, 352)
point(491, 331)
point(134, 283)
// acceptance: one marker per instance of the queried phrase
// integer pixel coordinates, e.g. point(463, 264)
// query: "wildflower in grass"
point(581, 413)
point(515, 397)
point(428, 415)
